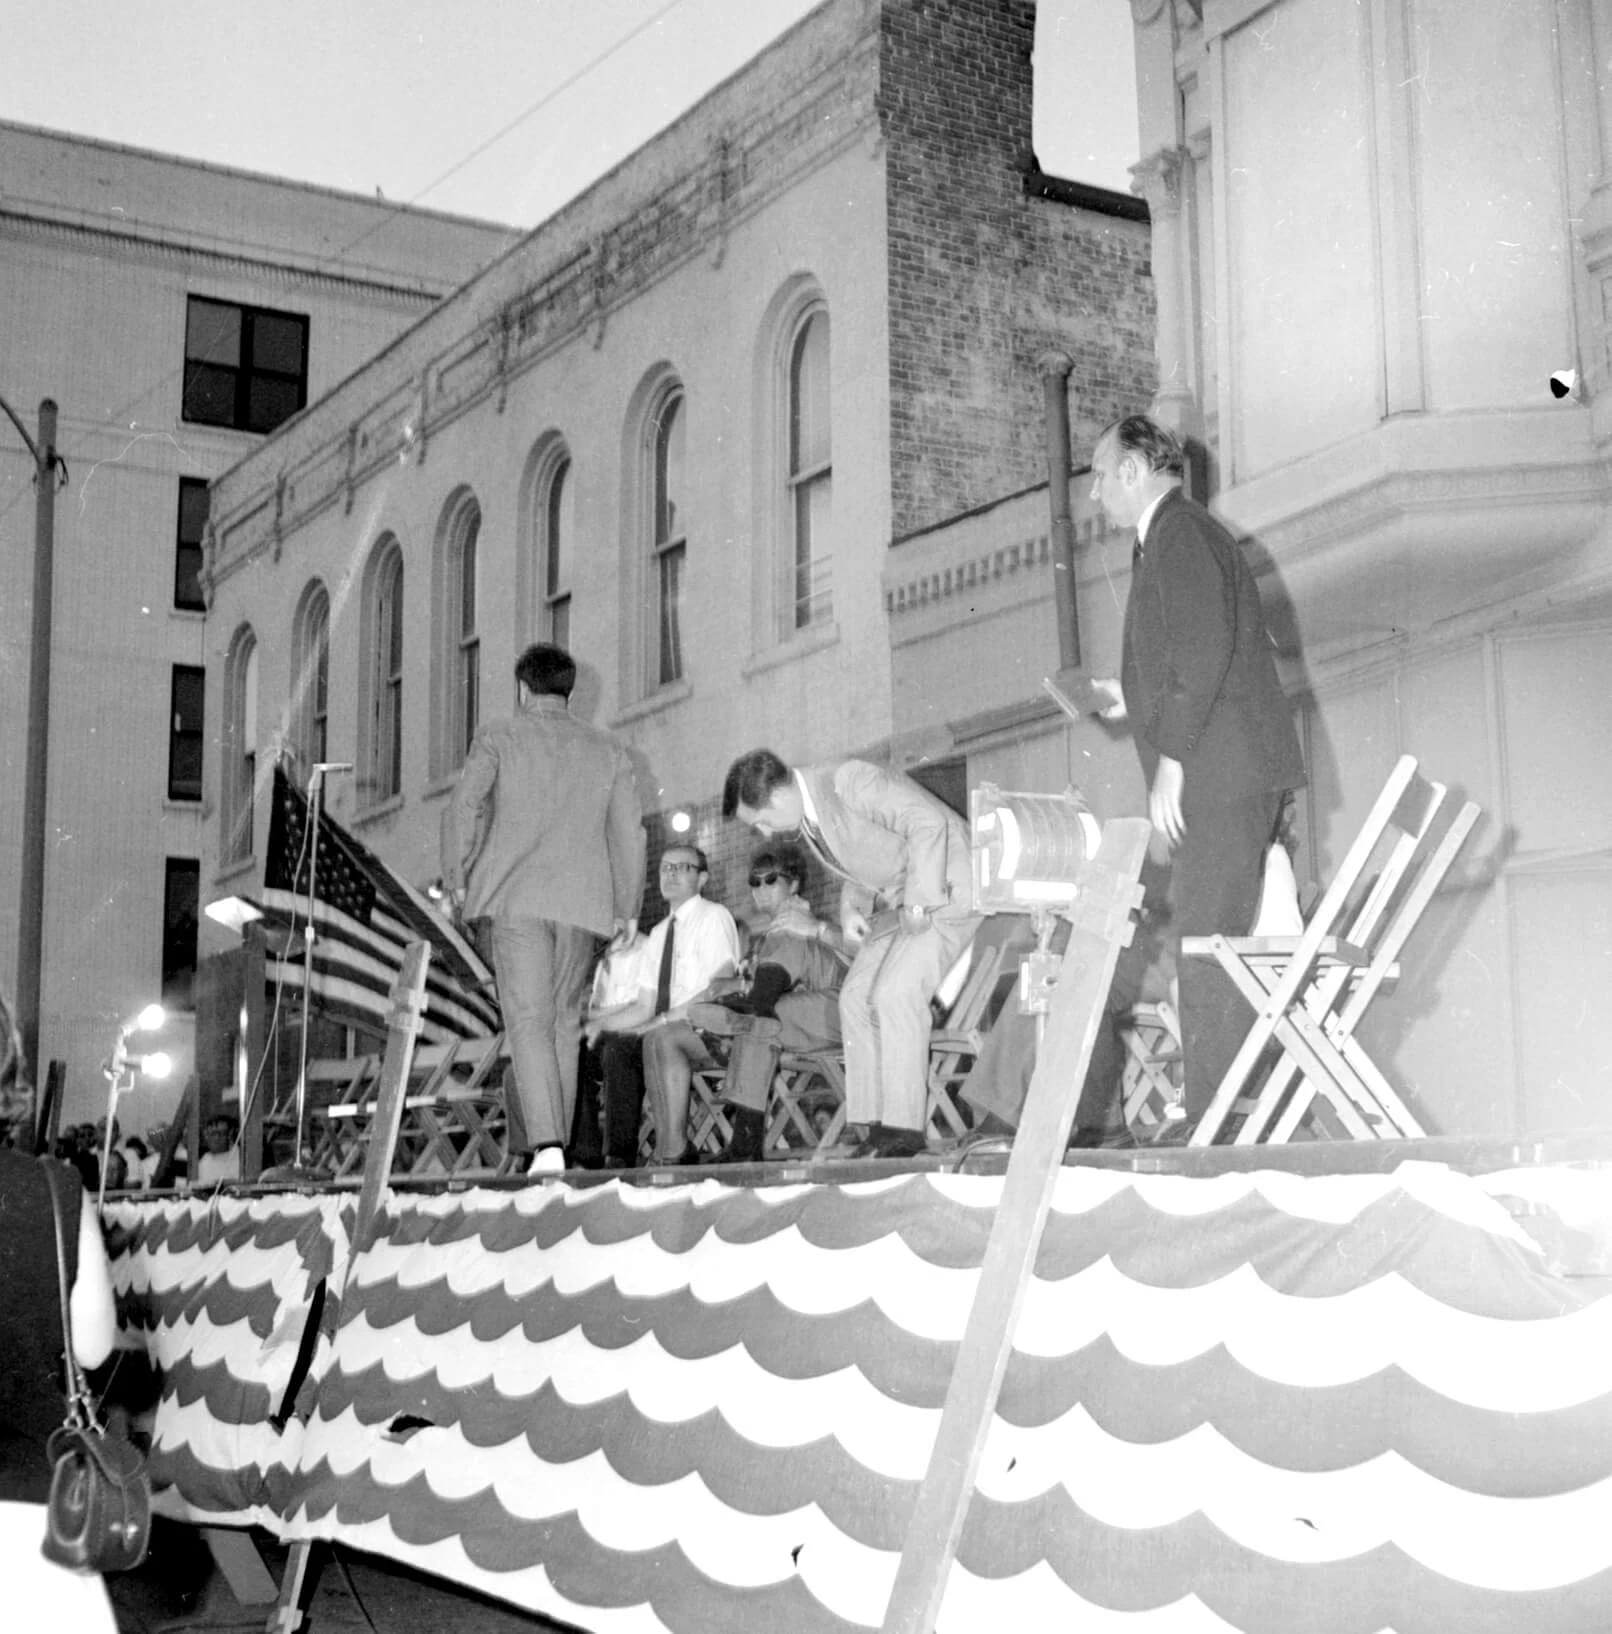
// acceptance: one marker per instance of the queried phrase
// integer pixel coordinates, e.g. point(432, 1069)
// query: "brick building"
point(685, 426)
point(176, 312)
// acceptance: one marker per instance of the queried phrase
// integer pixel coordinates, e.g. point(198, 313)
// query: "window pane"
point(247, 704)
point(187, 578)
point(189, 693)
point(392, 617)
point(813, 551)
point(467, 576)
point(809, 441)
point(558, 535)
point(271, 402)
point(192, 510)
point(181, 896)
point(185, 768)
point(277, 343)
point(669, 522)
point(671, 614)
point(469, 693)
point(213, 332)
point(209, 395)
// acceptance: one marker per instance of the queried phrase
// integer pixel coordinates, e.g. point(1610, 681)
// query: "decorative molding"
point(223, 263)
point(1157, 178)
point(954, 579)
point(571, 295)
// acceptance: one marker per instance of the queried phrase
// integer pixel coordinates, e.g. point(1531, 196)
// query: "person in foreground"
point(696, 944)
point(33, 1398)
point(888, 840)
point(791, 1000)
point(1213, 729)
point(542, 836)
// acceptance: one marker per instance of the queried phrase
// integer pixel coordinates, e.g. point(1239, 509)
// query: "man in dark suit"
point(1213, 728)
point(889, 841)
point(543, 837)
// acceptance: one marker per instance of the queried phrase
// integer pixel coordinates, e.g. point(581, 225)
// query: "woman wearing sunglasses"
point(791, 1000)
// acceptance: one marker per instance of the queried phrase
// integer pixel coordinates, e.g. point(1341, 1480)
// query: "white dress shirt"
point(707, 939)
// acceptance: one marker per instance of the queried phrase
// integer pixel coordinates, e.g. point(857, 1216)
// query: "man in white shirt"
point(694, 945)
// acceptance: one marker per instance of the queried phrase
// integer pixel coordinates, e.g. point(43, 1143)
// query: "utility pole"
point(31, 899)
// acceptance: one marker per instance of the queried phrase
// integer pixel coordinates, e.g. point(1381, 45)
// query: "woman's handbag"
point(98, 1514)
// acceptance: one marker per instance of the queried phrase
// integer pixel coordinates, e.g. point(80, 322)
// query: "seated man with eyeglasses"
point(696, 944)
point(791, 1001)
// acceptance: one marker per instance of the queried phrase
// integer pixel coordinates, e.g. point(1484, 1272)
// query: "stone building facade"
point(1377, 231)
point(684, 426)
point(126, 278)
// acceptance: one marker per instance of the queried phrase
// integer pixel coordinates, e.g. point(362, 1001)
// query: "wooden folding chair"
point(953, 1047)
point(1151, 1085)
point(1309, 992)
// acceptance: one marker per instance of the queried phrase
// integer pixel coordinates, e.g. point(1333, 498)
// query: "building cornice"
point(150, 247)
point(560, 285)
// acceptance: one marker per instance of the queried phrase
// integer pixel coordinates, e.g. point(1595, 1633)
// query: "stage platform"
point(1329, 1387)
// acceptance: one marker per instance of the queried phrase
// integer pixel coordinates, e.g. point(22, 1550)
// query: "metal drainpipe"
point(1055, 370)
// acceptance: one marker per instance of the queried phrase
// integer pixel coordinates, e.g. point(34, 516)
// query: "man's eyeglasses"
point(758, 880)
point(680, 868)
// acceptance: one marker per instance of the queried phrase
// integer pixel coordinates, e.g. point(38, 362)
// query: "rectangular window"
point(187, 693)
point(181, 897)
point(245, 368)
point(188, 549)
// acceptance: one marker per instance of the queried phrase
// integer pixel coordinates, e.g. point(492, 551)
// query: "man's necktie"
point(818, 846)
point(663, 982)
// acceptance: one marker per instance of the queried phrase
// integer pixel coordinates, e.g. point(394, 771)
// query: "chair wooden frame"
point(1310, 992)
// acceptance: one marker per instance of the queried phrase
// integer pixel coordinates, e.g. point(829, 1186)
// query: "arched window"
point(238, 772)
point(456, 667)
point(382, 678)
point(310, 659)
point(668, 538)
point(558, 541)
point(809, 479)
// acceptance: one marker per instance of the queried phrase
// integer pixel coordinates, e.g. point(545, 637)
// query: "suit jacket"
point(544, 823)
point(1198, 669)
point(891, 837)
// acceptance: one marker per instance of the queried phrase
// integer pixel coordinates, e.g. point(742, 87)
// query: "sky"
point(500, 109)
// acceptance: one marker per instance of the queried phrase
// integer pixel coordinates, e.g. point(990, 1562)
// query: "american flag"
point(364, 917)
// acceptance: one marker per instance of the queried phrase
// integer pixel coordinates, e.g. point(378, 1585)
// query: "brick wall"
point(984, 279)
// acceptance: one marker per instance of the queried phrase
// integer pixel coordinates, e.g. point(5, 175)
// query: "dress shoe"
point(749, 1136)
point(885, 1141)
point(548, 1160)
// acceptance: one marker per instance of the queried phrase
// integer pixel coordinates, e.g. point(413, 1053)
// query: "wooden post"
point(162, 1175)
point(402, 1029)
point(1100, 926)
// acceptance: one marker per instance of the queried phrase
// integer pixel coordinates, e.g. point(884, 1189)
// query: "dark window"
point(244, 368)
point(188, 552)
point(670, 543)
point(185, 711)
point(181, 895)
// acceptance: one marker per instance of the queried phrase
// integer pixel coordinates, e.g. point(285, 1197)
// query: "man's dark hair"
point(751, 780)
point(1156, 446)
point(547, 670)
point(787, 859)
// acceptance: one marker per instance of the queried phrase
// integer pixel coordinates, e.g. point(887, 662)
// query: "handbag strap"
point(80, 1413)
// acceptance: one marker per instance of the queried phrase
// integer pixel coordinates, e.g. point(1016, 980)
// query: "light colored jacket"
point(544, 823)
point(892, 837)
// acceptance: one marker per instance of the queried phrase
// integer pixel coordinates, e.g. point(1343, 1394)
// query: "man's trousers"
point(1215, 879)
point(884, 1012)
point(542, 968)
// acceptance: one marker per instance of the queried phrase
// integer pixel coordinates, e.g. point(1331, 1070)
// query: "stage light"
point(149, 1019)
point(1027, 850)
point(157, 1065)
point(681, 822)
point(233, 913)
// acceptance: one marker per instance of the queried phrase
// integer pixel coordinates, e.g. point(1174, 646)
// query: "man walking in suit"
point(1213, 729)
point(543, 837)
point(889, 841)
